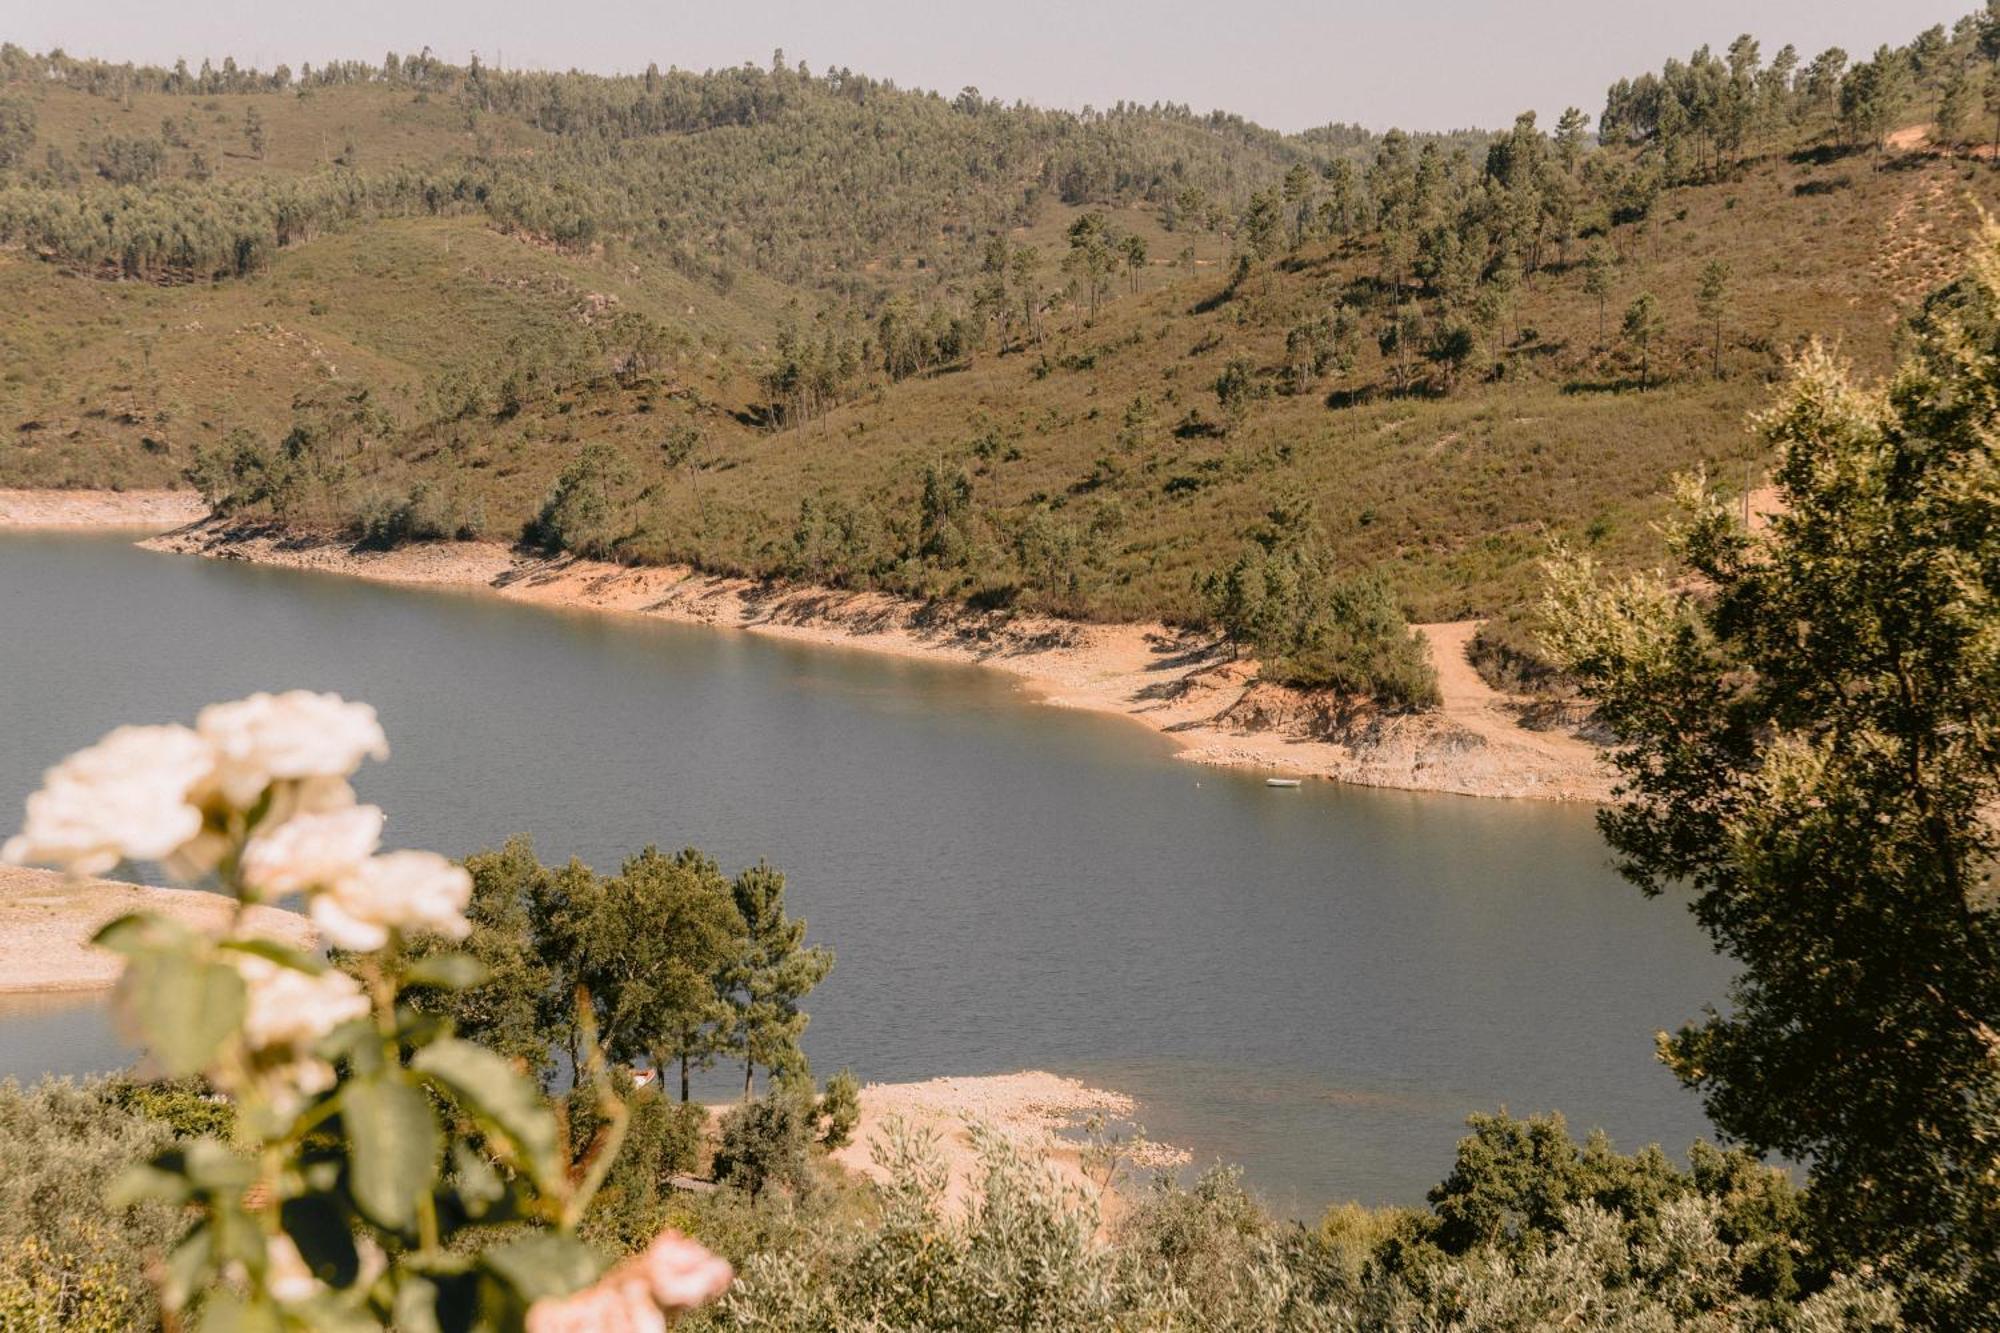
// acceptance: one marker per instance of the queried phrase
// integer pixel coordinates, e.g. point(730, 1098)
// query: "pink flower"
point(682, 1273)
point(672, 1274)
point(621, 1306)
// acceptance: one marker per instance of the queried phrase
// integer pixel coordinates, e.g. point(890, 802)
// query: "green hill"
point(828, 329)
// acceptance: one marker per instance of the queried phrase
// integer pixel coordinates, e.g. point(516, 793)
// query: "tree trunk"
point(747, 1071)
point(684, 1076)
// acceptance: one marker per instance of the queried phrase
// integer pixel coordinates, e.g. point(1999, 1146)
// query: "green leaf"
point(480, 1189)
point(226, 1312)
point(283, 955)
point(216, 1167)
point(504, 1102)
point(447, 971)
point(157, 1181)
point(416, 1306)
point(319, 1226)
point(543, 1263)
point(393, 1149)
point(140, 932)
point(184, 1009)
point(186, 1271)
point(358, 1042)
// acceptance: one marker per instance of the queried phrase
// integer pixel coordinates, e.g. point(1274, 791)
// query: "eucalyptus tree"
point(1597, 283)
point(1093, 255)
point(1132, 249)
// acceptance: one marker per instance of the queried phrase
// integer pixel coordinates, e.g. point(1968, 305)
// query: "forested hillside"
point(1139, 362)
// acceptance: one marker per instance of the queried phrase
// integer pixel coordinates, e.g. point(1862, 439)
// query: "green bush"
point(841, 1105)
point(662, 1140)
point(579, 513)
point(1312, 627)
point(426, 512)
point(764, 1143)
point(186, 1106)
point(1604, 1243)
point(67, 1258)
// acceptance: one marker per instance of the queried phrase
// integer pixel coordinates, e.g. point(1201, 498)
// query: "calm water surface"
point(1315, 984)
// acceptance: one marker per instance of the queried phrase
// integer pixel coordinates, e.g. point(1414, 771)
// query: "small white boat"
point(1281, 782)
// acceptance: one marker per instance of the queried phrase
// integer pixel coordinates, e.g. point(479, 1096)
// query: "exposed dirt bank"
point(154, 511)
point(46, 921)
point(1181, 684)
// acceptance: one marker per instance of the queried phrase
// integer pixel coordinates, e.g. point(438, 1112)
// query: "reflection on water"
point(62, 1033)
point(1316, 984)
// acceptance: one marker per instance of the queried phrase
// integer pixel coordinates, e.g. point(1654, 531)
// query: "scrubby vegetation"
point(1528, 1226)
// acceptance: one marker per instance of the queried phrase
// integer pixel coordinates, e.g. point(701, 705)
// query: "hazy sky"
point(1285, 63)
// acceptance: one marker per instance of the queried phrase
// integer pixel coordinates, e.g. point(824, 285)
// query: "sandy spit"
point(151, 511)
point(1180, 684)
point(47, 919)
point(1038, 1111)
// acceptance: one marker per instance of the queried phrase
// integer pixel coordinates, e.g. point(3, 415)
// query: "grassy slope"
point(1454, 496)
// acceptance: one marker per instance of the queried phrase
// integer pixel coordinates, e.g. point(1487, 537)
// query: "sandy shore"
point(152, 511)
point(46, 921)
point(1180, 684)
point(1036, 1110)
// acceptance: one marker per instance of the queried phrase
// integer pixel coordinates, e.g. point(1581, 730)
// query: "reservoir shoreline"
point(1181, 684)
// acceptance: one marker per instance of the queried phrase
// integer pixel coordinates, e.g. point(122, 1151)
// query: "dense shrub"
point(841, 1106)
point(764, 1143)
point(662, 1140)
point(68, 1259)
point(425, 512)
point(188, 1107)
point(579, 513)
point(1604, 1242)
point(1314, 627)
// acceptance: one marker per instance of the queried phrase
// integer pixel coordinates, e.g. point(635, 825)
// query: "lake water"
point(1315, 984)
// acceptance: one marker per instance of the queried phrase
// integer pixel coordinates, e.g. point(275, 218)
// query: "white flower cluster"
point(169, 794)
point(671, 1275)
point(127, 797)
point(288, 1012)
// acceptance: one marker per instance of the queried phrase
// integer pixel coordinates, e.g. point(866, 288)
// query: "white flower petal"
point(125, 798)
point(292, 1008)
point(341, 931)
point(295, 735)
point(311, 851)
point(410, 891)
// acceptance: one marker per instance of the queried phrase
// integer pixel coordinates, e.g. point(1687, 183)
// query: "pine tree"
point(1643, 324)
point(1954, 108)
point(1711, 303)
point(1597, 283)
point(1806, 733)
point(773, 970)
point(656, 945)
